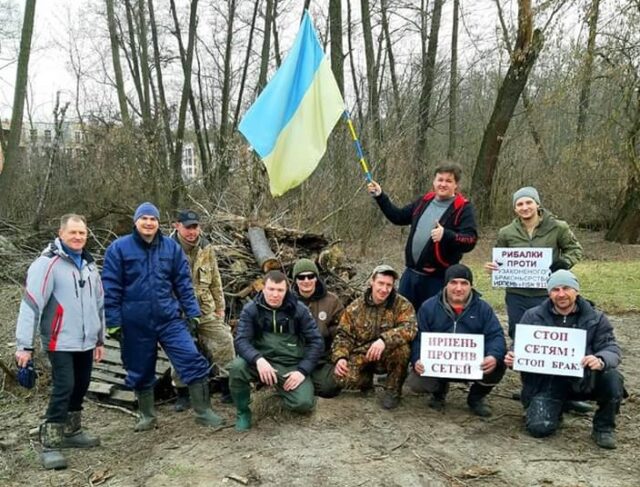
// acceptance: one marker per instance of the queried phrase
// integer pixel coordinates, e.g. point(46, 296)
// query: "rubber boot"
point(242, 399)
point(74, 436)
point(224, 391)
point(604, 424)
point(183, 402)
point(438, 398)
point(199, 392)
point(146, 411)
point(51, 435)
point(476, 400)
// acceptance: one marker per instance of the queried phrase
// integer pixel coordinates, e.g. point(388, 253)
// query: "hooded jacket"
point(478, 318)
point(147, 284)
point(64, 302)
point(325, 308)
point(460, 231)
point(550, 233)
point(292, 321)
point(600, 342)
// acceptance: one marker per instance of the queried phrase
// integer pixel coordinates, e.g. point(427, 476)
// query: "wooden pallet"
point(107, 377)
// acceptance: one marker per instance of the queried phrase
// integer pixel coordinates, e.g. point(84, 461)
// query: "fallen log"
point(261, 250)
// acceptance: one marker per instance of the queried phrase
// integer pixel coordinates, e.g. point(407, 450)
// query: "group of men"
point(166, 290)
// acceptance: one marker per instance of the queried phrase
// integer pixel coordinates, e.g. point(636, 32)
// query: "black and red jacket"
point(460, 232)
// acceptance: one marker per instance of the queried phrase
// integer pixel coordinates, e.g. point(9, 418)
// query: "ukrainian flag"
point(289, 123)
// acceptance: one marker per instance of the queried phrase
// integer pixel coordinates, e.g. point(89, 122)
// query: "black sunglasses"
point(305, 277)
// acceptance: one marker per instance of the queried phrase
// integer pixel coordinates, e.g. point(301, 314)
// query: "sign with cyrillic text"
point(521, 267)
point(452, 355)
point(550, 350)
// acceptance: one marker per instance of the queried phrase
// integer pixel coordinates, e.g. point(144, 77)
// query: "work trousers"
point(70, 378)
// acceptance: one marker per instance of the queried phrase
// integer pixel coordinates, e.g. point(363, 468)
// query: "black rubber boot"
point(604, 424)
point(51, 435)
point(146, 411)
point(224, 391)
point(183, 402)
point(74, 436)
point(476, 402)
point(201, 402)
point(437, 400)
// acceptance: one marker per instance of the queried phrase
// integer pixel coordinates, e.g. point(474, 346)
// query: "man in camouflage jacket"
point(374, 336)
point(214, 336)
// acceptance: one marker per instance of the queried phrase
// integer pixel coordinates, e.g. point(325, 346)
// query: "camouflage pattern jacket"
point(364, 322)
point(205, 275)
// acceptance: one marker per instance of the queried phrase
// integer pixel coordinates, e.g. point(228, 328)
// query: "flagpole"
point(356, 143)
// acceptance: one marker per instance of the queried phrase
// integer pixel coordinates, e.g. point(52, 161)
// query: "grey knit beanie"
point(526, 192)
point(563, 277)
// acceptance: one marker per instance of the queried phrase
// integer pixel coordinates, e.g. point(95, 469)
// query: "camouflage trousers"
point(216, 344)
point(392, 362)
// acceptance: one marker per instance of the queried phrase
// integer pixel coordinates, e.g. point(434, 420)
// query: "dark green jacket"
point(550, 233)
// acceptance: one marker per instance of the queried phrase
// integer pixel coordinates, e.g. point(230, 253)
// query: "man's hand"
point(592, 362)
point(98, 353)
point(490, 267)
point(23, 357)
point(294, 379)
point(489, 364)
point(219, 313)
point(267, 373)
point(115, 332)
point(419, 367)
point(437, 232)
point(342, 368)
point(509, 358)
point(374, 189)
point(375, 350)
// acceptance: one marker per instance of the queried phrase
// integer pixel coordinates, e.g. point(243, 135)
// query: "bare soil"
point(348, 441)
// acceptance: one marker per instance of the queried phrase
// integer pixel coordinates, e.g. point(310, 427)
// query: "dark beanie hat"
point(458, 271)
point(146, 209)
point(304, 265)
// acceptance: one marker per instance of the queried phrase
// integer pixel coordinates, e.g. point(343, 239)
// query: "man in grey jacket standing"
point(64, 300)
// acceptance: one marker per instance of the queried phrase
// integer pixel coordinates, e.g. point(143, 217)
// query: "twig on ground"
point(113, 406)
point(401, 443)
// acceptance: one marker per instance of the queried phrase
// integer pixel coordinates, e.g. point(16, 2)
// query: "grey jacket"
point(65, 303)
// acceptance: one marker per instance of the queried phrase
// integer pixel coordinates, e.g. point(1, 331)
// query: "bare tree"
point(587, 70)
point(453, 84)
point(527, 47)
point(117, 67)
point(337, 57)
point(266, 47)
point(245, 65)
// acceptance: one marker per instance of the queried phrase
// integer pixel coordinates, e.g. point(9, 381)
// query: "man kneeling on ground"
point(278, 344)
point(458, 308)
point(374, 336)
point(544, 396)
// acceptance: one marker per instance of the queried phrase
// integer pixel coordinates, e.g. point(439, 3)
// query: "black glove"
point(27, 375)
point(192, 324)
point(556, 265)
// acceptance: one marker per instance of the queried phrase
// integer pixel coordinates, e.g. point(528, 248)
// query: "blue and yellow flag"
point(289, 123)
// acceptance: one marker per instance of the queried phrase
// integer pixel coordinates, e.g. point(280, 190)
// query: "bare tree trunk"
point(132, 57)
point(274, 28)
point(144, 68)
point(178, 184)
point(392, 61)
point(453, 84)
point(58, 117)
point(266, 44)
point(19, 94)
point(421, 179)
point(528, 45)
point(354, 78)
point(245, 66)
point(372, 75)
point(207, 169)
point(117, 67)
point(222, 170)
point(337, 57)
point(587, 70)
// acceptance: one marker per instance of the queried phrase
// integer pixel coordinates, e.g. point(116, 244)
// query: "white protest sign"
point(550, 350)
point(452, 355)
point(521, 267)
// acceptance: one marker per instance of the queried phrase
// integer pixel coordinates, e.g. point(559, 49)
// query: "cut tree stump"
point(262, 250)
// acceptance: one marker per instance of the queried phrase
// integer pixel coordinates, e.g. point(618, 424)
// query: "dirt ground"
point(348, 441)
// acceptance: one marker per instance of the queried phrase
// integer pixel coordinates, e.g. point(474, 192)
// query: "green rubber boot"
point(51, 435)
point(146, 411)
point(199, 392)
point(243, 415)
point(74, 436)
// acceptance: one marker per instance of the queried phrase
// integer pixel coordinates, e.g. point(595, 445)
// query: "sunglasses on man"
point(305, 277)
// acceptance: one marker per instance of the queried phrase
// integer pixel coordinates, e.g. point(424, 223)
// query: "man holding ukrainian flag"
point(289, 123)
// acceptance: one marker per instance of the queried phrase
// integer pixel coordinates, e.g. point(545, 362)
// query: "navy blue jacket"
point(477, 318)
point(147, 284)
point(460, 233)
point(293, 318)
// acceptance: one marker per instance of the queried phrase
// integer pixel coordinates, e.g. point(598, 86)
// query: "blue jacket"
point(147, 283)
point(477, 318)
point(292, 319)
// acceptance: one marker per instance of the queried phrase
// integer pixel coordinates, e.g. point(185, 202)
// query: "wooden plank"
point(124, 396)
point(109, 378)
point(113, 369)
point(101, 388)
